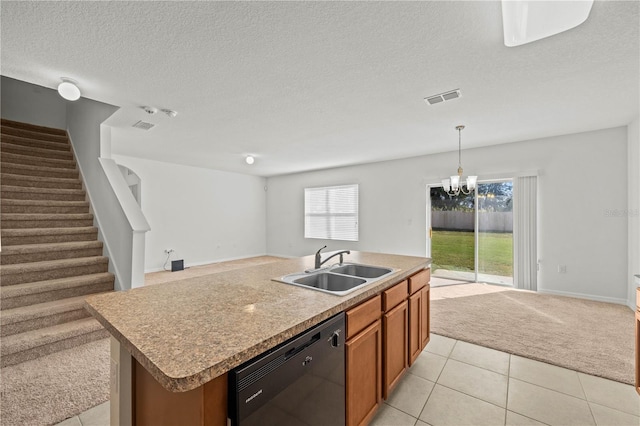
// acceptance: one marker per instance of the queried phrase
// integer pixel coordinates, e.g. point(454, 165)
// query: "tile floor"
point(457, 383)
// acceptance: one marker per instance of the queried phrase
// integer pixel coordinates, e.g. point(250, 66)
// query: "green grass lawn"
point(454, 251)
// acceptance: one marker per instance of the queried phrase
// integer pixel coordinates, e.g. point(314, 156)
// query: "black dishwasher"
point(299, 382)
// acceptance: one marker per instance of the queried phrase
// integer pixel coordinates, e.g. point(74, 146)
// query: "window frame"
point(332, 212)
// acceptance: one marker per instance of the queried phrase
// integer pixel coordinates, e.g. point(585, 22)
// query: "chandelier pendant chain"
point(459, 128)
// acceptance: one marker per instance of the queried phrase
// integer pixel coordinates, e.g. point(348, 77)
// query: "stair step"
point(11, 255)
point(42, 168)
point(19, 295)
point(43, 235)
point(10, 125)
point(26, 193)
point(34, 344)
point(45, 220)
point(22, 273)
point(41, 315)
point(38, 166)
point(43, 206)
point(9, 159)
point(50, 259)
point(37, 143)
point(8, 147)
point(40, 181)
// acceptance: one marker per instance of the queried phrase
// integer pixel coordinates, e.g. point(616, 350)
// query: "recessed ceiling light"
point(250, 159)
point(68, 89)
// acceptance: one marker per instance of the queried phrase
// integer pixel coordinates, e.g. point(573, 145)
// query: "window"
point(331, 212)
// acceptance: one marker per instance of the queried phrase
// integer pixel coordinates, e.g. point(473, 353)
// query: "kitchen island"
point(184, 336)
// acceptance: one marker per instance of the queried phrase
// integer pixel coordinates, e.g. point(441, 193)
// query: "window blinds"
point(331, 212)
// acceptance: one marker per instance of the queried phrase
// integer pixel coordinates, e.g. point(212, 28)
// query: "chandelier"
point(453, 186)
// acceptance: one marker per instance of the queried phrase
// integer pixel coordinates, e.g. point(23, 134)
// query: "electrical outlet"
point(168, 251)
point(562, 269)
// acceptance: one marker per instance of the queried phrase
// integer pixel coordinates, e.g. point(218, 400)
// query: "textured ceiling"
point(311, 85)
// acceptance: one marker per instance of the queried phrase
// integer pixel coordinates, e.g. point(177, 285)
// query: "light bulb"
point(249, 159)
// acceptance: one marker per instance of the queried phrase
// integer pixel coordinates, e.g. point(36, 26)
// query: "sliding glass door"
point(494, 236)
point(452, 235)
point(471, 236)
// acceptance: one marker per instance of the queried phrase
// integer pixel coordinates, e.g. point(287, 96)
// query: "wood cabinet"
point(153, 405)
point(395, 327)
point(363, 362)
point(425, 319)
point(418, 313)
point(415, 336)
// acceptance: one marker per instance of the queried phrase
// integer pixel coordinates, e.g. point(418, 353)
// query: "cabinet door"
point(364, 374)
point(395, 325)
point(425, 324)
point(415, 316)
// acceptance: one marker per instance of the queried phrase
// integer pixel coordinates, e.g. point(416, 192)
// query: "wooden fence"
point(463, 221)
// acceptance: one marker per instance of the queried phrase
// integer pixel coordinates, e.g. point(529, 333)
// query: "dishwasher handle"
point(294, 351)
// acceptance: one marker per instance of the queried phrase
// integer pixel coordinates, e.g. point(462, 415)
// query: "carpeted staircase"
point(51, 258)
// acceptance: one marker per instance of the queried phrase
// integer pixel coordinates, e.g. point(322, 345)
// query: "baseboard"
point(209, 262)
point(286, 256)
point(615, 300)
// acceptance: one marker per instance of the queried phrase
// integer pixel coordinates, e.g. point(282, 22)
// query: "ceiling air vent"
point(143, 125)
point(441, 97)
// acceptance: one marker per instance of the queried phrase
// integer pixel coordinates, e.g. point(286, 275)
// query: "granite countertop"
point(188, 332)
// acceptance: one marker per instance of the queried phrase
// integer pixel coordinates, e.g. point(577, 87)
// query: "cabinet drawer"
point(419, 280)
point(394, 296)
point(361, 316)
point(638, 298)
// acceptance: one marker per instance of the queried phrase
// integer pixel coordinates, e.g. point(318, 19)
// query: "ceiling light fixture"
point(453, 186)
point(250, 159)
point(68, 89)
point(525, 21)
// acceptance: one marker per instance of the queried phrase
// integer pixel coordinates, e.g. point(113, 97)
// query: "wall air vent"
point(441, 97)
point(143, 125)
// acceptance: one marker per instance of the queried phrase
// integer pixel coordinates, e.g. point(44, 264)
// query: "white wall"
point(633, 167)
point(26, 102)
point(575, 200)
point(84, 117)
point(204, 215)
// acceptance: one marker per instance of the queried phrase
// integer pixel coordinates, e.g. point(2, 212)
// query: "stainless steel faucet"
point(320, 262)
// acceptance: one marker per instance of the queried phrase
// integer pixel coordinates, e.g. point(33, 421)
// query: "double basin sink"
point(338, 279)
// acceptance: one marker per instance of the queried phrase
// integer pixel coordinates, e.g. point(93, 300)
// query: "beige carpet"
point(591, 337)
point(55, 387)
